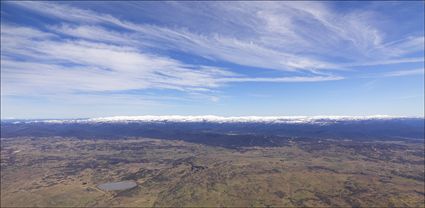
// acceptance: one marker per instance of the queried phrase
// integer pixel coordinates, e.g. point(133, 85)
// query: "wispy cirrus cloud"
point(279, 32)
point(199, 50)
point(281, 79)
point(408, 72)
point(83, 65)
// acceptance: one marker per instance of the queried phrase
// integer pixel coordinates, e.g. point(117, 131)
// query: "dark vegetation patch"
point(321, 168)
point(279, 194)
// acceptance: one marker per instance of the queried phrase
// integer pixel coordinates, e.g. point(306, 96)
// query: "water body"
point(116, 186)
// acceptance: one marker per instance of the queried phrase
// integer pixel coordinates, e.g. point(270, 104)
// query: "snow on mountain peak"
point(222, 119)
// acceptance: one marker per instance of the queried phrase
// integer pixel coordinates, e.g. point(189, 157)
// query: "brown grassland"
point(61, 172)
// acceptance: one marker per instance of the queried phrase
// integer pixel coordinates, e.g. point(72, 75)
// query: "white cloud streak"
point(285, 36)
point(57, 66)
point(282, 79)
point(408, 72)
point(281, 35)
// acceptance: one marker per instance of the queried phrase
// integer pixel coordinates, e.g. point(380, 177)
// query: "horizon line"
point(206, 116)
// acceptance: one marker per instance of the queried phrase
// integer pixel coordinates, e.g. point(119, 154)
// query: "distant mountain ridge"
point(216, 119)
point(232, 132)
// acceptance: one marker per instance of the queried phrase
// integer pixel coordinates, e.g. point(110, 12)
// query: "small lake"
point(116, 186)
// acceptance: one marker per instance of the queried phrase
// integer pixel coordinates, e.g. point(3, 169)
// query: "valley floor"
point(57, 171)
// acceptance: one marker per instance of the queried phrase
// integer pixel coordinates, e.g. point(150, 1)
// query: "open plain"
point(62, 171)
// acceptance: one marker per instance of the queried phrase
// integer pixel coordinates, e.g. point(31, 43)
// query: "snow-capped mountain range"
point(224, 131)
point(220, 119)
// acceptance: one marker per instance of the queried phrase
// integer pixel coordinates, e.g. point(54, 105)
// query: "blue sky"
point(91, 59)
